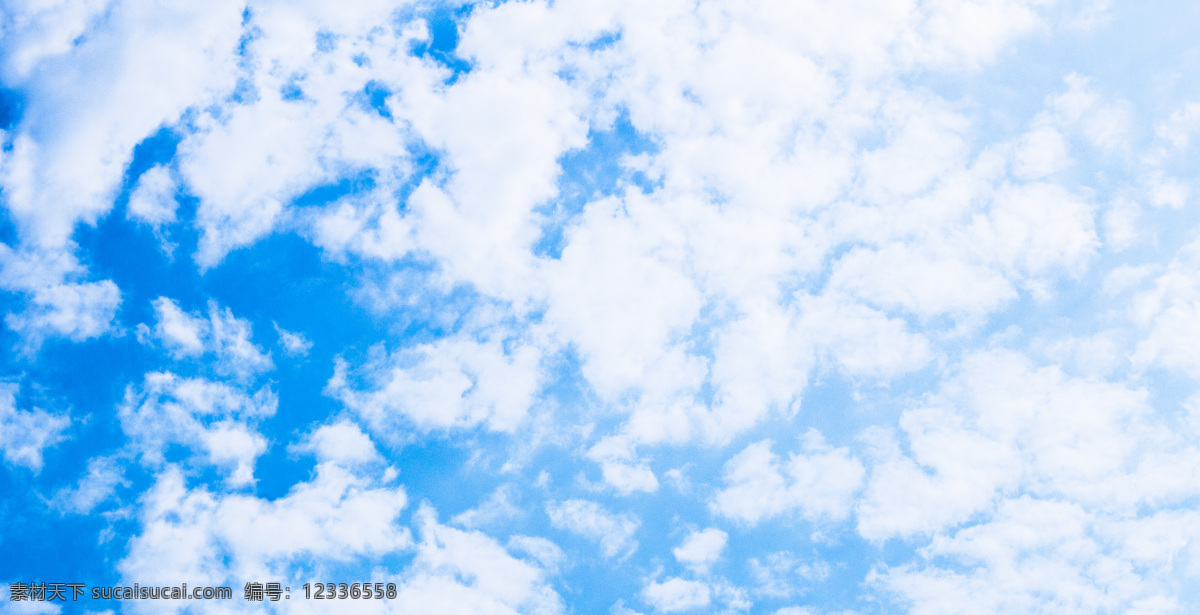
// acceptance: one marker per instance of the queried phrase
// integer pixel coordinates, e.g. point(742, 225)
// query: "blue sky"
point(799, 308)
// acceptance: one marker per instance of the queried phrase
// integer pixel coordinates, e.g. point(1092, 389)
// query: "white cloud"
point(99, 86)
point(153, 199)
point(1120, 224)
point(795, 610)
point(620, 467)
point(1041, 152)
point(178, 331)
point(1106, 125)
point(1037, 227)
point(817, 483)
point(1006, 425)
point(782, 575)
point(1181, 126)
point(497, 507)
point(480, 223)
point(1035, 556)
point(455, 382)
point(221, 334)
point(56, 305)
point(370, 226)
point(340, 520)
point(619, 295)
point(45, 29)
point(75, 311)
point(677, 594)
point(215, 538)
point(613, 532)
point(547, 554)
point(807, 210)
point(921, 281)
point(342, 442)
point(1039, 493)
point(860, 340)
point(300, 125)
point(26, 434)
point(294, 343)
point(467, 572)
point(214, 419)
point(1170, 315)
point(701, 548)
point(94, 488)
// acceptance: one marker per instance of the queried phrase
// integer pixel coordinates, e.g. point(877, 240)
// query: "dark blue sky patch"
point(250, 33)
point(12, 107)
point(440, 47)
point(283, 280)
point(356, 183)
point(374, 96)
point(35, 532)
point(131, 255)
point(8, 228)
point(88, 383)
point(426, 163)
point(158, 148)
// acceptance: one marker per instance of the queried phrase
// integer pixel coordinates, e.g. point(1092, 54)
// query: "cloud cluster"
point(26, 434)
point(819, 273)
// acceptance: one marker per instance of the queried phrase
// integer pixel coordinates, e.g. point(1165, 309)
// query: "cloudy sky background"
point(605, 306)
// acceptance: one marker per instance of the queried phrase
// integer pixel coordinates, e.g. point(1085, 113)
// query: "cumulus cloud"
point(216, 420)
point(336, 516)
point(1169, 313)
point(817, 483)
point(26, 434)
point(462, 571)
point(1023, 469)
point(342, 442)
point(295, 344)
point(620, 467)
point(456, 382)
point(153, 199)
point(645, 240)
point(701, 548)
point(221, 334)
point(677, 594)
point(99, 95)
point(96, 487)
point(1006, 425)
point(27, 608)
point(58, 305)
point(613, 532)
point(499, 507)
point(782, 575)
point(1034, 556)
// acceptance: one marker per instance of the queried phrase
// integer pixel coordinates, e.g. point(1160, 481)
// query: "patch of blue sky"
point(353, 183)
point(11, 108)
point(84, 383)
point(444, 20)
point(374, 96)
point(598, 170)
